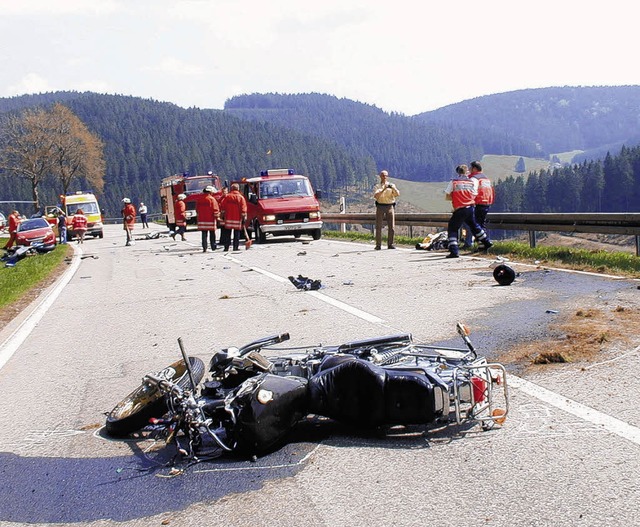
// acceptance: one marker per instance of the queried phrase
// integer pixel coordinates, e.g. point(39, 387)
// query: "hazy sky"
point(401, 56)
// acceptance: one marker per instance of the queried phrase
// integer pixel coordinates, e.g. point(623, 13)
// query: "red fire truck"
point(190, 186)
point(281, 203)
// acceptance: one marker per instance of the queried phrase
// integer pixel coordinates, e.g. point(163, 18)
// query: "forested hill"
point(407, 147)
point(561, 119)
point(145, 141)
point(337, 142)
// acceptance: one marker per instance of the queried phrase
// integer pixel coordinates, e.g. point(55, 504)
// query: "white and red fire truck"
point(190, 186)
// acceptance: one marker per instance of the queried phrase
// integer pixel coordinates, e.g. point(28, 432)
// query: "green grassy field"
point(429, 197)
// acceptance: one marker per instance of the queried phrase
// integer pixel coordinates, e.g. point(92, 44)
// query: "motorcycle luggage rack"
point(486, 410)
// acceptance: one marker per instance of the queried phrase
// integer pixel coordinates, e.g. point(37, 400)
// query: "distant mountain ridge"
point(408, 148)
point(424, 147)
point(337, 142)
point(557, 119)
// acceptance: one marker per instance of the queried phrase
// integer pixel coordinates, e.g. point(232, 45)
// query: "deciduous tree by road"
point(38, 144)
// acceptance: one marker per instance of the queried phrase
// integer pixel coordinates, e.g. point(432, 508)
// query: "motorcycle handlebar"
point(265, 341)
point(163, 384)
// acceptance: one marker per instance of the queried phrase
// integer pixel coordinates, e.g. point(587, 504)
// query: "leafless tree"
point(27, 148)
point(78, 152)
point(38, 144)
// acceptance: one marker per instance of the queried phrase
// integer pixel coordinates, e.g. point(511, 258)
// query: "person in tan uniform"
point(385, 194)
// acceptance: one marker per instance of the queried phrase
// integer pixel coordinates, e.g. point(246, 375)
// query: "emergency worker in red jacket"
point(79, 225)
point(234, 209)
point(462, 191)
point(485, 196)
point(208, 212)
point(14, 220)
point(128, 219)
point(181, 217)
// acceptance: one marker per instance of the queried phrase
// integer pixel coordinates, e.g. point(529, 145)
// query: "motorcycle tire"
point(504, 275)
point(146, 402)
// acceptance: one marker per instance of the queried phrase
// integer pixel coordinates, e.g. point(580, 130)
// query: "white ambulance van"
point(89, 205)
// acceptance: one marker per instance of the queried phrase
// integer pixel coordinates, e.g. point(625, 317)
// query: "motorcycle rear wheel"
point(146, 401)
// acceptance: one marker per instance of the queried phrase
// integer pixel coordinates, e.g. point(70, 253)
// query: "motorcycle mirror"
point(219, 359)
point(463, 330)
point(233, 352)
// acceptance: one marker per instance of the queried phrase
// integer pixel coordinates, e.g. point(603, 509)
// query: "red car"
point(35, 231)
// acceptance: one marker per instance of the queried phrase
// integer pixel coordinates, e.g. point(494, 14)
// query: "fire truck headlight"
point(269, 217)
point(314, 215)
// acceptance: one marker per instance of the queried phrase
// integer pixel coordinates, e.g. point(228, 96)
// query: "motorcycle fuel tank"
point(266, 408)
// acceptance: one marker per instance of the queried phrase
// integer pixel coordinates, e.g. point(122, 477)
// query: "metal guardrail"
point(596, 223)
point(150, 217)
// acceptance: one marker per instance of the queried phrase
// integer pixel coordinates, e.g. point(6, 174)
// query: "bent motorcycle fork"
point(186, 415)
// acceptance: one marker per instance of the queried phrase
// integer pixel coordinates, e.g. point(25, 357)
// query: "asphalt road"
point(567, 455)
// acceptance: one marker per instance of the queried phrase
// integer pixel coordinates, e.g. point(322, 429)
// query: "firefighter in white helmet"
point(181, 218)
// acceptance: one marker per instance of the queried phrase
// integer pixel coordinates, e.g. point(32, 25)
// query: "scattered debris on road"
point(304, 283)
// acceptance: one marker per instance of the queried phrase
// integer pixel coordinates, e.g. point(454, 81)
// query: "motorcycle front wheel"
point(146, 401)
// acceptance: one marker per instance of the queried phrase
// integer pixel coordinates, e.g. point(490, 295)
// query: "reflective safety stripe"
point(463, 193)
point(485, 190)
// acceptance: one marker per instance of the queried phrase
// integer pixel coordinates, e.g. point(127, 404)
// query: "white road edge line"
point(570, 271)
point(611, 424)
point(332, 301)
point(13, 342)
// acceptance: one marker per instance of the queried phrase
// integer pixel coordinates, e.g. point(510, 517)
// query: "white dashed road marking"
point(336, 303)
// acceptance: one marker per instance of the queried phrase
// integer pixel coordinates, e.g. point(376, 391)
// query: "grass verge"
point(597, 261)
point(600, 261)
point(31, 273)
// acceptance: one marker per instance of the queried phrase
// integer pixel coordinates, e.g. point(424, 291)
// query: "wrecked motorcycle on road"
point(251, 400)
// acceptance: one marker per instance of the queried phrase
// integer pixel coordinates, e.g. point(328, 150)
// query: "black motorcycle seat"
point(352, 391)
point(356, 391)
point(331, 361)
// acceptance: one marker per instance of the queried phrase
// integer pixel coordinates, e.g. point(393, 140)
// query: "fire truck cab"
point(190, 186)
point(281, 203)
